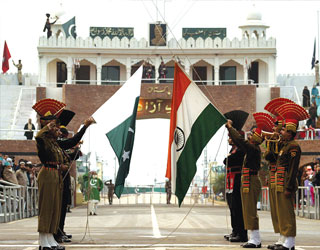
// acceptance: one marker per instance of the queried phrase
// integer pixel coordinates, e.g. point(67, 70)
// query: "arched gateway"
point(155, 99)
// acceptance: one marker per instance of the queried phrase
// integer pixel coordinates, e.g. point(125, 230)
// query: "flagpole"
point(318, 33)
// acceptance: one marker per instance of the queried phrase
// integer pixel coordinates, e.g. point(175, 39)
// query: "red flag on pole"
point(5, 58)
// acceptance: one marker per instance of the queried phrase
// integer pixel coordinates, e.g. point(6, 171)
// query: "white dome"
point(254, 15)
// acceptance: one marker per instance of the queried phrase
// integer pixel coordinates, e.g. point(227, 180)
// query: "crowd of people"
point(311, 102)
point(309, 177)
point(22, 173)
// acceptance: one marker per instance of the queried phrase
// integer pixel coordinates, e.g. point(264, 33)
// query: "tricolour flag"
point(70, 28)
point(117, 118)
point(193, 121)
point(5, 58)
point(313, 55)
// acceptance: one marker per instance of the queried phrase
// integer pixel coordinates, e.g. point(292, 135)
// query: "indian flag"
point(193, 121)
point(117, 119)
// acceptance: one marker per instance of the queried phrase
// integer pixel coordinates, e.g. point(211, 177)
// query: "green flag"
point(70, 28)
point(117, 119)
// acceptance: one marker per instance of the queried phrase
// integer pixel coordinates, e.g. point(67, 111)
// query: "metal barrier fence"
point(17, 202)
point(151, 195)
point(307, 202)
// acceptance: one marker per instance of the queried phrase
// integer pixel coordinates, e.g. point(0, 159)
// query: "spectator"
point(29, 127)
point(195, 193)
point(306, 97)
point(168, 190)
point(162, 72)
point(110, 186)
point(22, 178)
point(19, 67)
point(8, 174)
point(316, 176)
point(313, 116)
point(1, 170)
point(4, 159)
point(314, 93)
point(308, 184)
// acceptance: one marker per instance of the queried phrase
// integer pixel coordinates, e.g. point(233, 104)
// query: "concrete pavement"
point(161, 227)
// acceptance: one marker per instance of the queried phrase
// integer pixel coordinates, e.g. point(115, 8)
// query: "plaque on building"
point(158, 34)
point(204, 33)
point(111, 32)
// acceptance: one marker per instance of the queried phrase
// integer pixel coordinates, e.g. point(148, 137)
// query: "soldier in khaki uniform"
point(286, 173)
point(250, 182)
point(49, 178)
point(273, 147)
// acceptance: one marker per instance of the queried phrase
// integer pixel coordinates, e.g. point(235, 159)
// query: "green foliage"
point(218, 184)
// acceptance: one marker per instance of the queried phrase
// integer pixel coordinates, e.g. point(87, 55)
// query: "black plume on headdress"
point(238, 118)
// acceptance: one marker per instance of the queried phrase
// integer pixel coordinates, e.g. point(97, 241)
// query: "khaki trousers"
point(50, 190)
point(286, 215)
point(273, 208)
point(249, 204)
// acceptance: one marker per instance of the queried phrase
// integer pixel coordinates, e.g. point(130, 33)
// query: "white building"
point(213, 61)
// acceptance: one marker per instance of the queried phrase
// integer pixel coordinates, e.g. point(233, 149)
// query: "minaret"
point(254, 27)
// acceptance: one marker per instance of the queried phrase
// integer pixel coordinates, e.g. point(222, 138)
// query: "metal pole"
point(318, 34)
point(115, 169)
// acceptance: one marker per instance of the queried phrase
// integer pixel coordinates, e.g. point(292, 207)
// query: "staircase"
point(15, 110)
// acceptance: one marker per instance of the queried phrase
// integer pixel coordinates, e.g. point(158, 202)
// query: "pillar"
point(99, 68)
point(216, 70)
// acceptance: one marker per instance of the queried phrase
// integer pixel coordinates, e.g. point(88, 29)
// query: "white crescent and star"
point(70, 28)
point(125, 156)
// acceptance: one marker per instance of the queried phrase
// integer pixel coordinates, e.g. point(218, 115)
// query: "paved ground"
point(162, 227)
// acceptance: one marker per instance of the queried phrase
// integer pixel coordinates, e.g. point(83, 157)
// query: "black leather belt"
point(253, 172)
point(52, 166)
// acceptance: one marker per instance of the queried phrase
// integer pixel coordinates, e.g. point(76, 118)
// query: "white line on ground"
point(155, 226)
point(145, 246)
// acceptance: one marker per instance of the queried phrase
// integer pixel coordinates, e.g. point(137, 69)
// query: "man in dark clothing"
point(168, 190)
point(29, 127)
point(306, 97)
point(71, 148)
point(47, 26)
point(250, 182)
point(233, 164)
point(313, 115)
point(110, 186)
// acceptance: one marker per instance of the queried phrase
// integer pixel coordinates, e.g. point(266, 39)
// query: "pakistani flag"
point(193, 121)
point(117, 119)
point(70, 28)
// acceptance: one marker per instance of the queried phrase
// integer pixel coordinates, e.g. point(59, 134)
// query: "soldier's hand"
point(89, 121)
point(51, 124)
point(229, 123)
point(64, 167)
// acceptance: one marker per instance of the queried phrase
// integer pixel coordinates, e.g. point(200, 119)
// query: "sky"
point(294, 24)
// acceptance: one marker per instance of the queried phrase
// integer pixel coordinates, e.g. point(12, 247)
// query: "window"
point(169, 75)
point(61, 73)
point(227, 74)
point(83, 74)
point(110, 75)
point(199, 74)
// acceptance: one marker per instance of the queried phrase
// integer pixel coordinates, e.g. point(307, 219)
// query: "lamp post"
point(115, 169)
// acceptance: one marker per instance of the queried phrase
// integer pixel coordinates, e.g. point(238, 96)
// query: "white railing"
point(305, 205)
point(155, 195)
point(16, 110)
point(18, 134)
point(15, 205)
point(153, 80)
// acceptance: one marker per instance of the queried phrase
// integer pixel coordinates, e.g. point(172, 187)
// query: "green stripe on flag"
point(122, 139)
point(206, 125)
point(118, 136)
